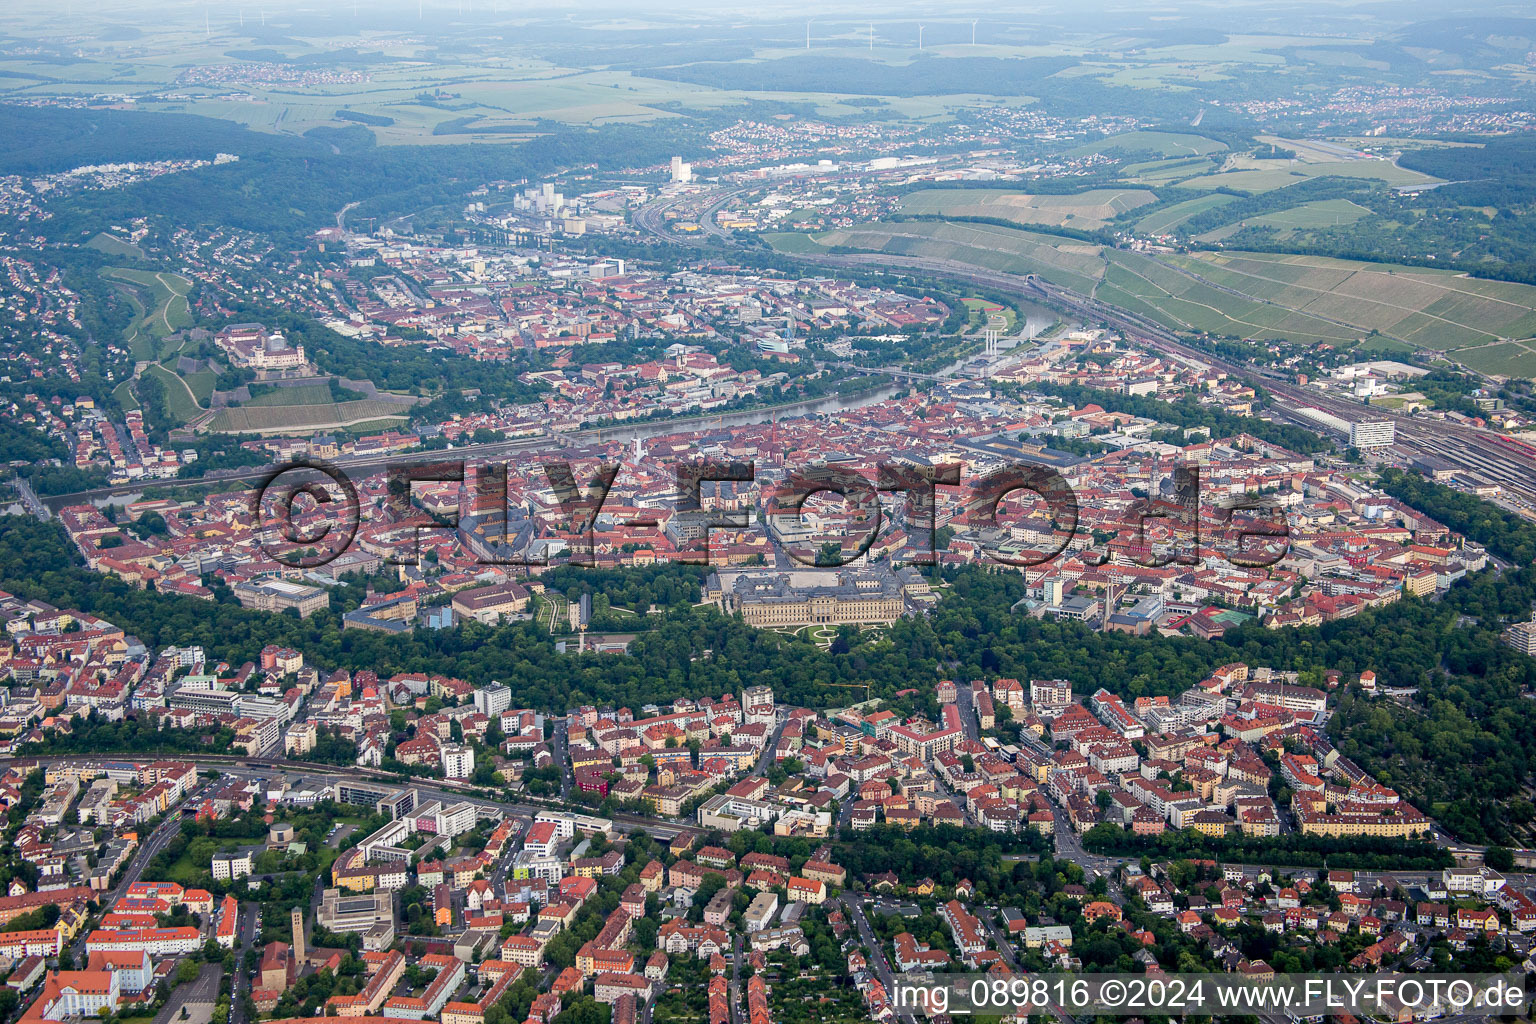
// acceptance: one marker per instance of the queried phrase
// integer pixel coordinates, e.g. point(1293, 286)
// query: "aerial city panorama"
point(675, 513)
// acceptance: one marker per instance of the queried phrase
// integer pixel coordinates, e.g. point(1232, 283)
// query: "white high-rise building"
point(492, 700)
point(1522, 637)
point(458, 761)
point(681, 172)
point(1372, 434)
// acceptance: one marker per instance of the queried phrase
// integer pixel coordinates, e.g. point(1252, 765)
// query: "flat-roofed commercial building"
point(276, 595)
point(345, 912)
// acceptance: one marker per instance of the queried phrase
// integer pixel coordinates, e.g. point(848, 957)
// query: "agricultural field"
point(1164, 221)
point(1086, 210)
point(270, 419)
point(491, 92)
point(1071, 264)
point(1166, 144)
point(1249, 175)
point(1323, 213)
point(1484, 324)
point(1159, 290)
point(304, 394)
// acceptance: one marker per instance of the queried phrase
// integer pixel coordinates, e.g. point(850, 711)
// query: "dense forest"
point(285, 187)
point(1493, 172)
point(42, 140)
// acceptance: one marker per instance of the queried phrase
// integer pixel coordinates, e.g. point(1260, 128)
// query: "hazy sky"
point(29, 16)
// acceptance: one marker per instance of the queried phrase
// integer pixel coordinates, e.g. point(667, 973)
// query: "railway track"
point(634, 822)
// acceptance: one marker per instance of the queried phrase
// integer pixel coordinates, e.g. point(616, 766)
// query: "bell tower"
point(298, 937)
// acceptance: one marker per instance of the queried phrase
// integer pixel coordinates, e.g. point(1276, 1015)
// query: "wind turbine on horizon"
point(808, 35)
point(973, 31)
point(920, 38)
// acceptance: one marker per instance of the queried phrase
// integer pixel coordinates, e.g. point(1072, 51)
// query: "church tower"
point(298, 938)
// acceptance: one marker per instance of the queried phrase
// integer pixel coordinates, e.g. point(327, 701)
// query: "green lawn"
point(160, 306)
point(178, 399)
point(202, 385)
point(305, 394)
point(114, 246)
point(1162, 222)
point(136, 339)
point(1323, 213)
point(124, 395)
